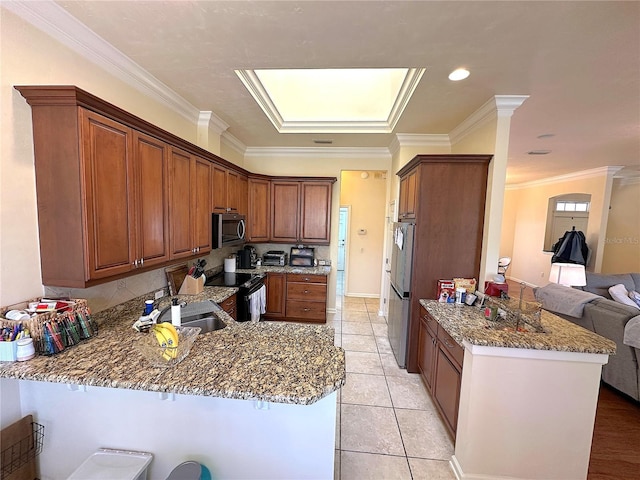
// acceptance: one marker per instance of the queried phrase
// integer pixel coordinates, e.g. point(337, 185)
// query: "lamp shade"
point(568, 274)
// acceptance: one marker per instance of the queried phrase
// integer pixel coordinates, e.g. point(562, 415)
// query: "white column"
point(505, 106)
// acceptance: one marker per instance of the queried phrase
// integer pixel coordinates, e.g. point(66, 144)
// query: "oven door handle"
point(254, 289)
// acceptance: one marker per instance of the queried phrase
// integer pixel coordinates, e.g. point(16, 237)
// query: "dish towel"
point(258, 303)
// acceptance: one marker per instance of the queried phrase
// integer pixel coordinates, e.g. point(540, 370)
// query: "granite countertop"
point(273, 362)
point(463, 322)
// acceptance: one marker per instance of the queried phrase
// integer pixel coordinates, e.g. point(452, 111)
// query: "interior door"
point(342, 237)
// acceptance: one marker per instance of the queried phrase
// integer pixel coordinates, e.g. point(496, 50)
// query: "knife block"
point(192, 286)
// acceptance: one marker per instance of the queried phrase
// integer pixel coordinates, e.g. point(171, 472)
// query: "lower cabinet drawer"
point(303, 278)
point(448, 344)
point(306, 310)
point(306, 291)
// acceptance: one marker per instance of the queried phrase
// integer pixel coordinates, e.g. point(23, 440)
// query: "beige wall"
point(29, 57)
point(622, 242)
point(367, 199)
point(527, 222)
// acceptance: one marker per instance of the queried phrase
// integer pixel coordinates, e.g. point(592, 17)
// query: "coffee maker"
point(247, 257)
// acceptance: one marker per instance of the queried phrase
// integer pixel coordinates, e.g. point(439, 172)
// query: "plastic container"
point(114, 465)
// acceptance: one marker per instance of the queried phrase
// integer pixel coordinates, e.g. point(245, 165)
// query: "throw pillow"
point(620, 295)
point(635, 296)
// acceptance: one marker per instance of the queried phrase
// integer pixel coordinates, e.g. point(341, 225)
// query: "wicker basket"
point(54, 331)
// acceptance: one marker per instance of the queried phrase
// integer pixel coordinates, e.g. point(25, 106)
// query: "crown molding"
point(608, 171)
point(56, 22)
point(418, 140)
point(232, 142)
point(209, 120)
point(315, 153)
point(497, 106)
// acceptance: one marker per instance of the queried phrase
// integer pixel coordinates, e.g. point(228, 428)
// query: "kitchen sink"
point(209, 323)
point(198, 314)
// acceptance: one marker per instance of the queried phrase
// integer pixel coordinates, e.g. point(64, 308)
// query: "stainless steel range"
point(248, 284)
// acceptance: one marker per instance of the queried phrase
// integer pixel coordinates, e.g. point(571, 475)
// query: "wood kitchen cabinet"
point(301, 211)
point(276, 294)
point(285, 211)
point(306, 297)
point(230, 305)
point(408, 190)
point(258, 221)
point(190, 205)
point(229, 191)
point(444, 196)
point(102, 197)
point(427, 349)
point(440, 366)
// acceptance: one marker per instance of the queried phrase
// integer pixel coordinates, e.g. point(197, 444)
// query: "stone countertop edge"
point(464, 322)
point(267, 361)
point(319, 270)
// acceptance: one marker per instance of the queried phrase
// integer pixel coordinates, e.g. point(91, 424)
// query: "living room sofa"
point(592, 308)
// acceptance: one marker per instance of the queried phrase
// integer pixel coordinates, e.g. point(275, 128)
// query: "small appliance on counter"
point(247, 257)
point(302, 257)
point(275, 258)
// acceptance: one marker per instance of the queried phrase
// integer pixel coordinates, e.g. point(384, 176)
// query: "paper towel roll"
point(230, 265)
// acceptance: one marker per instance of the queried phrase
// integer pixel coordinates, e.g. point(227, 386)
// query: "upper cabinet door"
point(219, 188)
point(110, 212)
point(285, 211)
point(180, 200)
point(202, 206)
point(232, 191)
point(315, 212)
point(408, 192)
point(258, 221)
point(151, 170)
point(243, 195)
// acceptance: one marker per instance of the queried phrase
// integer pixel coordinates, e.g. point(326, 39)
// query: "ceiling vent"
point(322, 142)
point(539, 152)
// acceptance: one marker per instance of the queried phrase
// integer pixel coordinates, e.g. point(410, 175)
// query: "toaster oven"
point(274, 258)
point(302, 257)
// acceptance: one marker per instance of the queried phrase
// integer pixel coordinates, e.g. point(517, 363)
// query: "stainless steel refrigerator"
point(400, 291)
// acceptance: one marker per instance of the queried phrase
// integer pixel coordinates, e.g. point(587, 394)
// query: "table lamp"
point(568, 274)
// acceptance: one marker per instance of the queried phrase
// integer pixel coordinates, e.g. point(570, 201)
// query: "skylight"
point(350, 100)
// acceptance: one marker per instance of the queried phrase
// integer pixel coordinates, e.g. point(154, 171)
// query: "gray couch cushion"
point(599, 283)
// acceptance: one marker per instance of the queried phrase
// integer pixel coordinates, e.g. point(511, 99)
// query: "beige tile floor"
point(387, 426)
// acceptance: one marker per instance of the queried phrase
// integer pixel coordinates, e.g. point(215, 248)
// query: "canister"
point(25, 350)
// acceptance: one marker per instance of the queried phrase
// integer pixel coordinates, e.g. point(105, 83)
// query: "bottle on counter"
point(176, 319)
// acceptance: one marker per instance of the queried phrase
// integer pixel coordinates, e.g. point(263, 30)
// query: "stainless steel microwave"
point(228, 229)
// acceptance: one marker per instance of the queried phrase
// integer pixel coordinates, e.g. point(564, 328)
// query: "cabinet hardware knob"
point(306, 291)
point(446, 342)
point(141, 261)
point(307, 309)
point(135, 263)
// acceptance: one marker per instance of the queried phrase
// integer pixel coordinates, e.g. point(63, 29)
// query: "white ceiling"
point(578, 61)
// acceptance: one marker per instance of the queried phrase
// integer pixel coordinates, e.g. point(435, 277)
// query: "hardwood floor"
point(615, 449)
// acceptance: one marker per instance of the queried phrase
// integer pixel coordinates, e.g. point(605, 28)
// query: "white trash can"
point(107, 464)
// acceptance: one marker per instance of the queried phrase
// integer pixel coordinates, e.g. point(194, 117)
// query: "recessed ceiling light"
point(459, 74)
point(539, 152)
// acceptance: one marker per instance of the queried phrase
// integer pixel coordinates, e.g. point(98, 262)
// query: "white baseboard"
point(365, 295)
point(460, 475)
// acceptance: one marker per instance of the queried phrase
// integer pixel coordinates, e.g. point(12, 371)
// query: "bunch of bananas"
point(167, 337)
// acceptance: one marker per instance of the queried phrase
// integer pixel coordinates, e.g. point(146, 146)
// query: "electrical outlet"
point(159, 294)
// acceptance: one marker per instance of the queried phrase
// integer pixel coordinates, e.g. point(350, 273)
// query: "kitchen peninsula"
point(250, 400)
point(527, 401)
